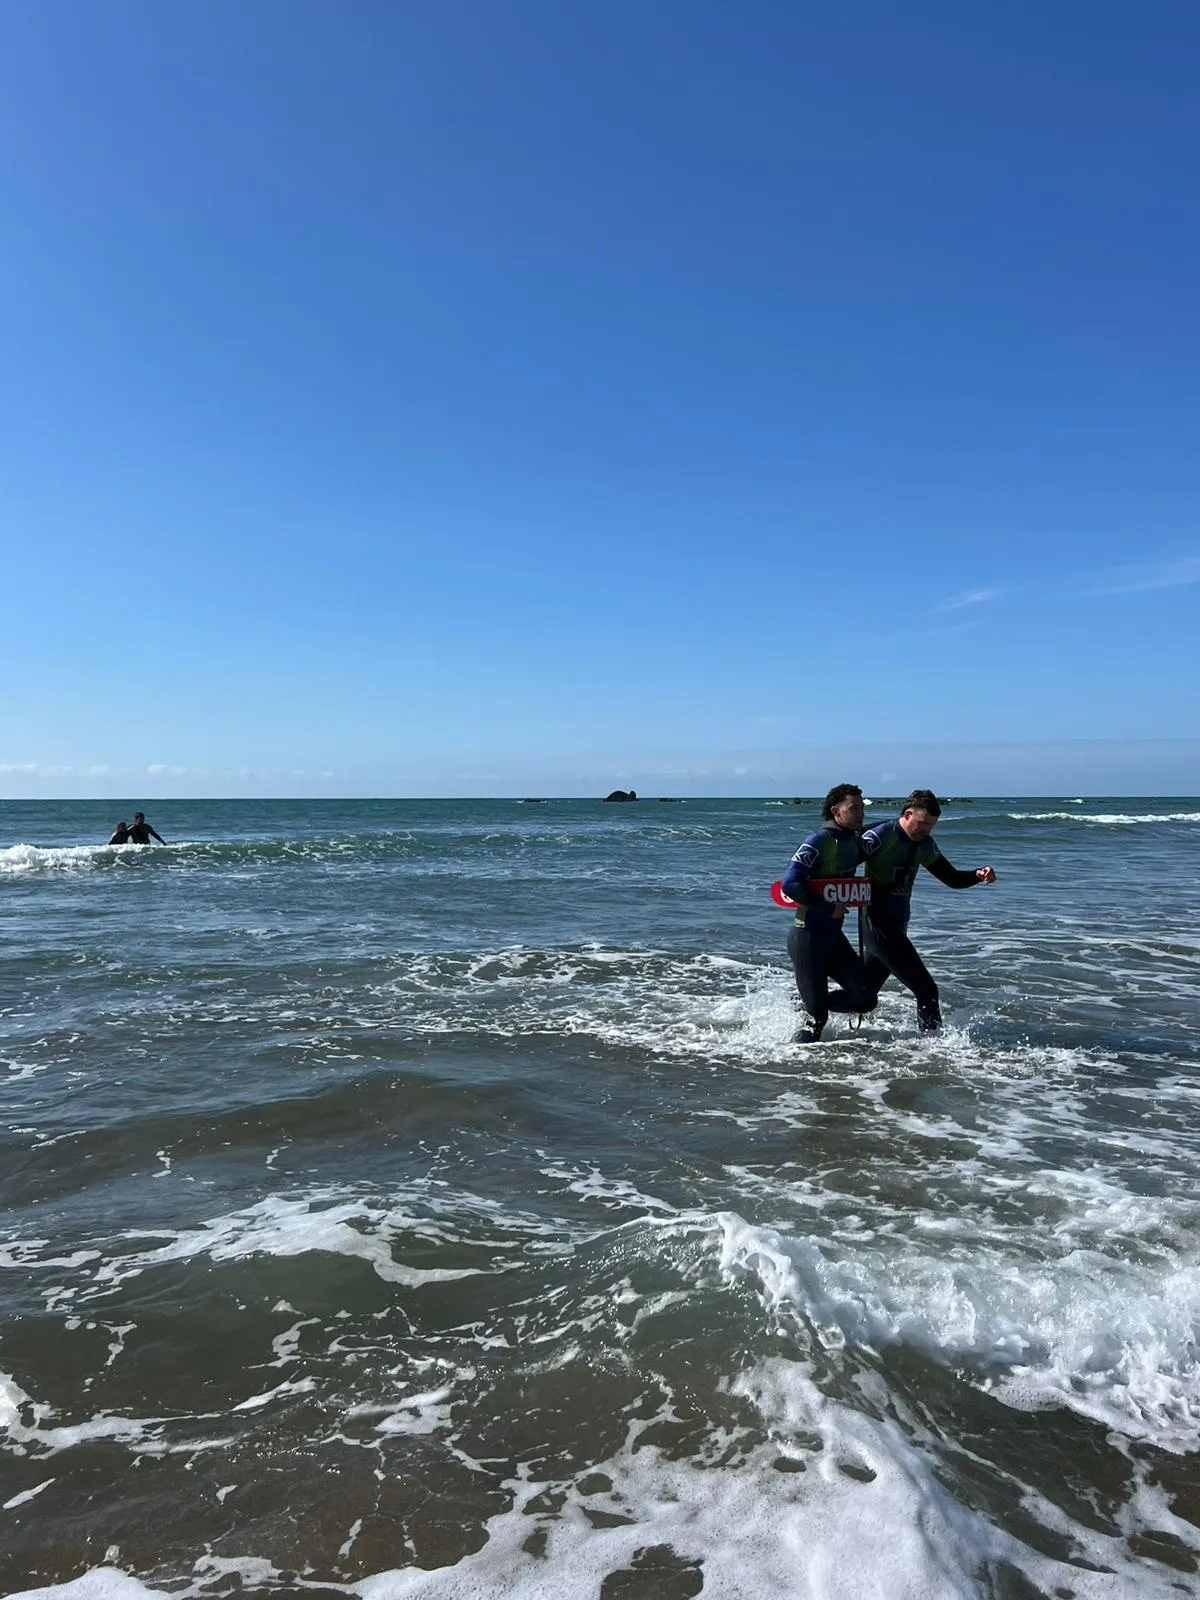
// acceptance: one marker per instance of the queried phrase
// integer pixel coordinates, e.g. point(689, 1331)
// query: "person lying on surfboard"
point(893, 851)
point(817, 881)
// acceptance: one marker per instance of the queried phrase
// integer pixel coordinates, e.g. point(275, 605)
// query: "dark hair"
point(839, 792)
point(923, 800)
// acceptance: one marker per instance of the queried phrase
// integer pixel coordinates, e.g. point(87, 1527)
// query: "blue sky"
point(529, 398)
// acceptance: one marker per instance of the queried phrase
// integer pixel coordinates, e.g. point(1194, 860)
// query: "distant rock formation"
point(622, 794)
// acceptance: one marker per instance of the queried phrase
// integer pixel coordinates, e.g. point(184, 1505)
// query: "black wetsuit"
point(892, 862)
point(816, 943)
point(141, 833)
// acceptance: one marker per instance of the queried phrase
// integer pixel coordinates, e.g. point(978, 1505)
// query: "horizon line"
point(546, 799)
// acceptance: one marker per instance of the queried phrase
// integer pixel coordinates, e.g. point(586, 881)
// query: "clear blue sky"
point(530, 397)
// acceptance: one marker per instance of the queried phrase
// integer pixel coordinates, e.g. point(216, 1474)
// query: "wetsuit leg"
point(875, 960)
point(887, 945)
point(806, 946)
point(878, 972)
point(847, 966)
point(819, 951)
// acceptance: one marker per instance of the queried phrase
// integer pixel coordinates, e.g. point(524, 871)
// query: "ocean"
point(415, 1199)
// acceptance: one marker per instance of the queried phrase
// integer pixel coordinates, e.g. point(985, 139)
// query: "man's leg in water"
point(887, 944)
point(847, 966)
point(806, 946)
point(876, 956)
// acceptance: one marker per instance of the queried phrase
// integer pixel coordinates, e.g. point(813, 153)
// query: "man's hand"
point(985, 874)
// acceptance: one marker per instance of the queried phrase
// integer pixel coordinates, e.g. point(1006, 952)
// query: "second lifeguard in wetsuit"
point(142, 832)
point(894, 850)
point(818, 947)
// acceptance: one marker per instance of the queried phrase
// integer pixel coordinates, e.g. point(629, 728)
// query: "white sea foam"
point(1105, 818)
point(28, 860)
point(21, 1069)
point(674, 1006)
point(834, 1503)
point(1079, 1327)
point(24, 1422)
point(836, 1500)
point(34, 860)
point(101, 1583)
point(282, 1226)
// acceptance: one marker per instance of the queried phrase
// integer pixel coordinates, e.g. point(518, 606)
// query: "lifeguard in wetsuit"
point(894, 850)
point(141, 832)
point(818, 947)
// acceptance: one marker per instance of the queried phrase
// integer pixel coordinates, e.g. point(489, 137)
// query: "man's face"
point(848, 813)
point(917, 824)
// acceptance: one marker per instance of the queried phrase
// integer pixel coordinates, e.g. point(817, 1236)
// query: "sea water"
point(426, 1199)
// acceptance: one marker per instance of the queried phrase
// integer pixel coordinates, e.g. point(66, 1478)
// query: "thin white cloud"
point(948, 630)
point(970, 597)
point(1155, 575)
point(161, 770)
point(33, 769)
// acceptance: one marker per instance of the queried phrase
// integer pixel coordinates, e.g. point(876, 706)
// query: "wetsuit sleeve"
point(952, 877)
point(800, 870)
point(158, 836)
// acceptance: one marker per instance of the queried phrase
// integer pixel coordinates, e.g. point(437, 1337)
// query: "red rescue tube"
point(840, 893)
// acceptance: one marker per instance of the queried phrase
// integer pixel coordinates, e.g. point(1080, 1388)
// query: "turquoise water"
point(426, 1198)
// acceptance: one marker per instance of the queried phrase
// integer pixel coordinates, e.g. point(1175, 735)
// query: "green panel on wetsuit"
point(892, 868)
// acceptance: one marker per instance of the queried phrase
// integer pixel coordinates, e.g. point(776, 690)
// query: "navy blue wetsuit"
point(818, 947)
point(892, 862)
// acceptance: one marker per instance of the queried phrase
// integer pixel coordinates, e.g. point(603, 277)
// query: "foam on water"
point(832, 1501)
point(1104, 818)
point(1079, 1328)
point(843, 1500)
point(31, 860)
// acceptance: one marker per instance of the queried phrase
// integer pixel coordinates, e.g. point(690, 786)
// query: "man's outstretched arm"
point(957, 878)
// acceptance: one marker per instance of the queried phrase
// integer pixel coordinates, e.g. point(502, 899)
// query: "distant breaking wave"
point(1109, 818)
